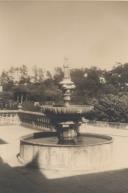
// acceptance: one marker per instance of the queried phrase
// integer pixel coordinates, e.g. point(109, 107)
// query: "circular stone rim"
point(24, 139)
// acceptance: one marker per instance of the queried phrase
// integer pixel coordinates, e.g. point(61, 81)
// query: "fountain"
point(66, 148)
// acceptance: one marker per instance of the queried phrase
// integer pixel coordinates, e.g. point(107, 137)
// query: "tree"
point(37, 75)
point(58, 75)
point(23, 75)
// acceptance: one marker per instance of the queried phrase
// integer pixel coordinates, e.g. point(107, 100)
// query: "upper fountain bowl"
point(59, 114)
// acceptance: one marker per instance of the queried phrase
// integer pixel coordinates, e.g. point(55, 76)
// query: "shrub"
point(113, 108)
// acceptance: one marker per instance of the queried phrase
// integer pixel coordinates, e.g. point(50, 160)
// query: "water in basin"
point(81, 140)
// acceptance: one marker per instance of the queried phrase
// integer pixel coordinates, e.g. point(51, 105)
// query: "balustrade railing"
point(41, 122)
point(9, 117)
point(34, 120)
point(25, 118)
point(116, 125)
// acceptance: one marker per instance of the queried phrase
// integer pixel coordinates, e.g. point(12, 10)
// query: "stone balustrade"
point(41, 122)
point(25, 118)
point(9, 117)
point(34, 120)
point(116, 125)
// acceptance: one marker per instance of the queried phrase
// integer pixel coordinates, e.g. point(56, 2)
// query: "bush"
point(110, 108)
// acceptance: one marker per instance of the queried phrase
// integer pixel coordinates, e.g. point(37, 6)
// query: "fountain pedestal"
point(67, 132)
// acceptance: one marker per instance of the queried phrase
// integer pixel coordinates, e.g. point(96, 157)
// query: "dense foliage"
point(113, 108)
point(106, 90)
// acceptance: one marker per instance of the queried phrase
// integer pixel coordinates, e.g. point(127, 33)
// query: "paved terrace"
point(14, 178)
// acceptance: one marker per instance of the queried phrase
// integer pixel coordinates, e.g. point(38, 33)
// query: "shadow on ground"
point(26, 180)
point(2, 141)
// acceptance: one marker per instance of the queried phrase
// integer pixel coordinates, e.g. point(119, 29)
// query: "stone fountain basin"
point(92, 153)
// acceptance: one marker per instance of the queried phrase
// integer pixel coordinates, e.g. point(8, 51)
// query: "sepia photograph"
point(63, 96)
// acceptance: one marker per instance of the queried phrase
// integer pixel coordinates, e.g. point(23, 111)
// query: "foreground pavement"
point(16, 178)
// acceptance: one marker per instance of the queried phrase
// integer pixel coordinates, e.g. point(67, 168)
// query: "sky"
point(42, 34)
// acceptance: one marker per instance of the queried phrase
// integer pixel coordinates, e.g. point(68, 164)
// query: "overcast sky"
point(43, 33)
